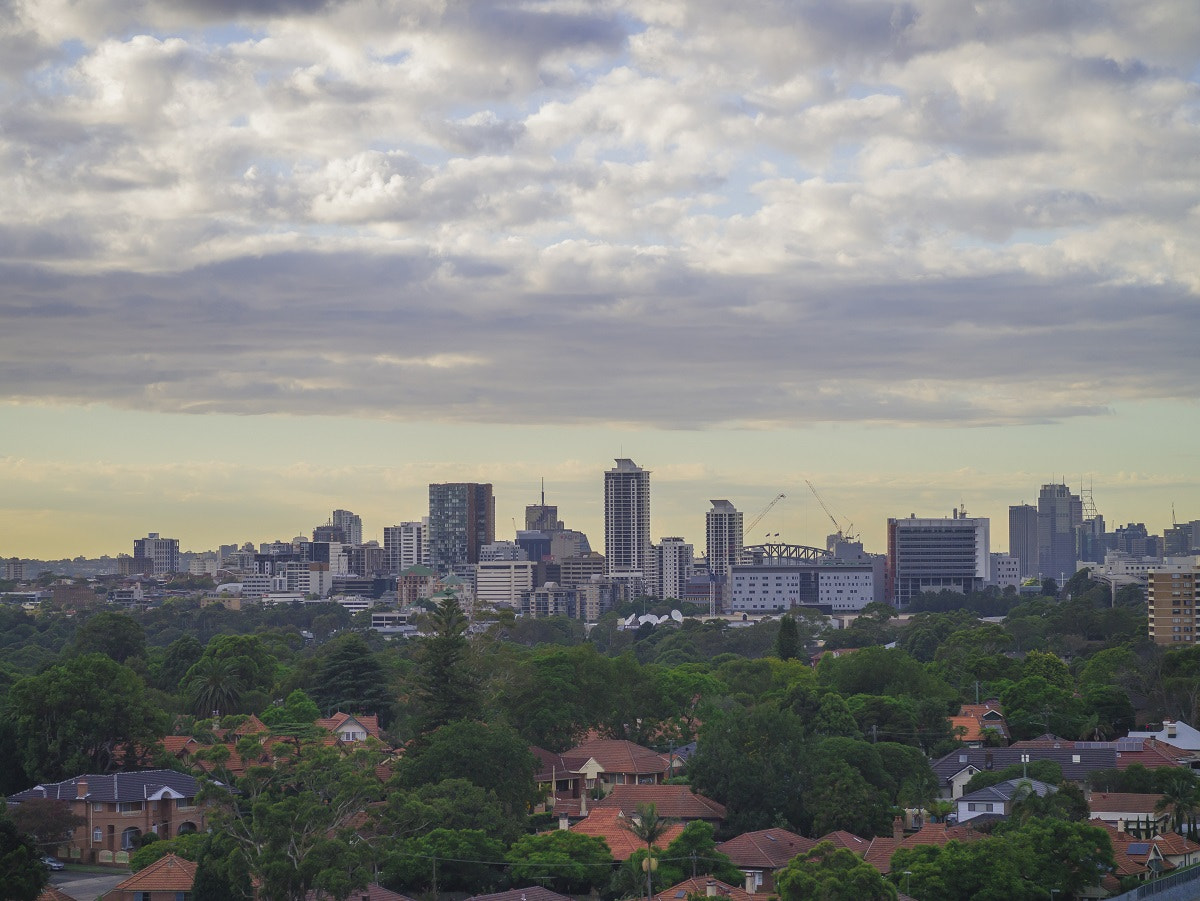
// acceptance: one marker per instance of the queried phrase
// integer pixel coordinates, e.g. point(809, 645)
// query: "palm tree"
point(650, 828)
point(1181, 796)
point(215, 685)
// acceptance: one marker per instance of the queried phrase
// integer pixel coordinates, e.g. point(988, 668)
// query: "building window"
point(97, 834)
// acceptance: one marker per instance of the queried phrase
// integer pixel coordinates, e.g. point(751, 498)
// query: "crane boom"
point(842, 533)
point(765, 510)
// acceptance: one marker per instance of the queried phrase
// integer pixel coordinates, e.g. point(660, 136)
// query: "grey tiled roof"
point(136, 786)
point(985, 759)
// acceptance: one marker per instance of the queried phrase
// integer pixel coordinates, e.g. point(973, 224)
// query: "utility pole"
point(435, 893)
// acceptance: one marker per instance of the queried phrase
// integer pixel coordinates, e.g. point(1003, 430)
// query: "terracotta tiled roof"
point(369, 722)
point(767, 849)
point(1123, 802)
point(167, 874)
point(1173, 844)
point(617, 756)
point(50, 893)
point(849, 840)
point(700, 885)
point(557, 766)
point(609, 824)
point(532, 893)
point(252, 725)
point(677, 802)
point(373, 892)
point(880, 851)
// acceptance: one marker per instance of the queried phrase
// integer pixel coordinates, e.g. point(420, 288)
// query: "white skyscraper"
point(723, 541)
point(673, 559)
point(627, 523)
point(406, 545)
point(350, 524)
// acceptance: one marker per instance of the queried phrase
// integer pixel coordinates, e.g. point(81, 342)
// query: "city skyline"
point(262, 261)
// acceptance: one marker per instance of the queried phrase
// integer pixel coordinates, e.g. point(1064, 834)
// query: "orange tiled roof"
point(618, 756)
point(50, 893)
point(167, 874)
point(373, 892)
point(699, 885)
point(670, 801)
point(767, 849)
point(369, 722)
point(848, 840)
point(610, 824)
point(1124, 802)
point(252, 725)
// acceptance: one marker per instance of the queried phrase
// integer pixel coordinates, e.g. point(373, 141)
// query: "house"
point(118, 808)
point(561, 777)
point(977, 725)
point(672, 802)
point(999, 799)
point(349, 728)
point(169, 878)
point(703, 885)
point(1132, 813)
point(955, 769)
point(878, 851)
point(1174, 732)
point(610, 761)
point(612, 825)
point(761, 854)
point(50, 893)
point(530, 893)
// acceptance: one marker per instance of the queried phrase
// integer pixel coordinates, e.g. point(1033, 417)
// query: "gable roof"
point(50, 893)
point(766, 849)
point(138, 786)
point(373, 892)
point(532, 893)
point(167, 874)
point(609, 824)
point(843, 839)
point(984, 759)
point(618, 756)
point(701, 885)
point(1124, 802)
point(369, 722)
point(677, 802)
point(1005, 791)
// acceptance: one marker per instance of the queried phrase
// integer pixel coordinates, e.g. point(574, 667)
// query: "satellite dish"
point(648, 618)
point(632, 619)
point(677, 616)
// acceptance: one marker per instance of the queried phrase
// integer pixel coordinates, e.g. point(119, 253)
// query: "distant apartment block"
point(14, 570)
point(462, 519)
point(723, 542)
point(952, 554)
point(1023, 538)
point(406, 545)
point(350, 524)
point(1172, 602)
point(1006, 571)
point(671, 567)
point(162, 553)
point(1060, 516)
point(502, 582)
point(627, 523)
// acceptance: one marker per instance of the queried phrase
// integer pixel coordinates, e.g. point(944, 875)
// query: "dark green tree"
point(115, 635)
point(20, 863)
point(450, 860)
point(649, 828)
point(215, 686)
point(694, 853)
point(829, 873)
point(787, 643)
point(448, 687)
point(350, 678)
point(48, 821)
point(563, 861)
point(181, 655)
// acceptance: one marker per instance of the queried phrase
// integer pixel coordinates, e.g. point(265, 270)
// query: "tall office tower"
point(350, 524)
point(542, 517)
point(329, 532)
point(1060, 513)
point(937, 555)
point(627, 523)
point(723, 534)
point(1173, 601)
point(406, 545)
point(1023, 537)
point(462, 519)
point(163, 553)
point(673, 559)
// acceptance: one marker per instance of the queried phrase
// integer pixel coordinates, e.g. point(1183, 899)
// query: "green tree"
point(829, 873)
point(74, 717)
point(21, 863)
point(694, 853)
point(1065, 856)
point(449, 686)
point(563, 861)
point(215, 686)
point(292, 822)
point(189, 846)
point(295, 717)
point(449, 803)
point(787, 643)
point(1181, 798)
point(115, 635)
point(48, 821)
point(350, 678)
point(453, 860)
point(649, 828)
point(489, 755)
point(180, 656)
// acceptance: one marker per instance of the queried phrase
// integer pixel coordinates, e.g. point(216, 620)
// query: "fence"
point(1176, 887)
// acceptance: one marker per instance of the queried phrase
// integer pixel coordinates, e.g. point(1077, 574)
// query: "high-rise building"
point(542, 517)
point(350, 524)
point(673, 559)
point(462, 519)
point(1173, 601)
point(937, 555)
point(406, 545)
point(1060, 514)
point(627, 523)
point(162, 554)
point(1023, 538)
point(723, 542)
point(502, 581)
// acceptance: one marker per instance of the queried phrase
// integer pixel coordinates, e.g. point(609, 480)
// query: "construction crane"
point(842, 534)
point(749, 530)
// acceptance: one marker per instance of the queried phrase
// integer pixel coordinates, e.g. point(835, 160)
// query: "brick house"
point(169, 878)
point(119, 808)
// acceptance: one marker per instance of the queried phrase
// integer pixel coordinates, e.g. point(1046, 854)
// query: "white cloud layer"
point(689, 213)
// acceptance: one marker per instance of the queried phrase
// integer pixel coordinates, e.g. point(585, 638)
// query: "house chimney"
point(564, 822)
point(898, 828)
point(81, 788)
point(710, 888)
point(749, 886)
point(583, 804)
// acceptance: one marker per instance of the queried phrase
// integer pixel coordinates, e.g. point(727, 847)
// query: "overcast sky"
point(264, 258)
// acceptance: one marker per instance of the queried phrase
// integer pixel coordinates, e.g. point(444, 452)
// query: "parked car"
point(53, 863)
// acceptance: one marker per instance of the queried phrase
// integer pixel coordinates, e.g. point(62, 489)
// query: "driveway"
point(86, 886)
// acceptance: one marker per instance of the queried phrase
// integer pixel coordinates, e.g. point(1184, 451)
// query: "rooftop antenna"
point(543, 491)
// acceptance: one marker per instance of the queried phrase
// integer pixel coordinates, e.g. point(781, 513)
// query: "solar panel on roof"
point(1139, 848)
